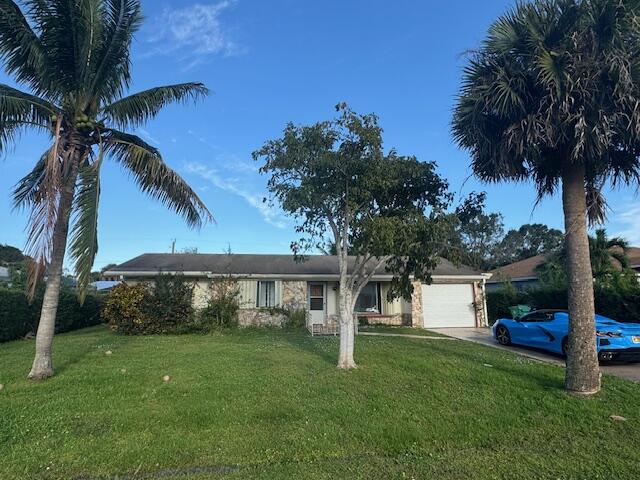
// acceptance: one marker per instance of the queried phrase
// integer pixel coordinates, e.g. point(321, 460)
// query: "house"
point(523, 274)
point(104, 286)
point(454, 299)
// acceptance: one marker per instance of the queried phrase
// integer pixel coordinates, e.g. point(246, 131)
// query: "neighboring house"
point(104, 285)
point(265, 282)
point(5, 276)
point(633, 254)
point(523, 274)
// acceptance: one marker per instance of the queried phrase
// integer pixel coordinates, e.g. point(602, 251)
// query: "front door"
point(317, 302)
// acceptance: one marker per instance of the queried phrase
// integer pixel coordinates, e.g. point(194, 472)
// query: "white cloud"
point(270, 215)
point(147, 136)
point(626, 222)
point(193, 33)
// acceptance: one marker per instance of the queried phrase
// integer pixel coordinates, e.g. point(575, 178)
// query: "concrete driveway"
point(484, 336)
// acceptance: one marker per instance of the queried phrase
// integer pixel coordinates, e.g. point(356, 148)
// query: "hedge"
point(18, 316)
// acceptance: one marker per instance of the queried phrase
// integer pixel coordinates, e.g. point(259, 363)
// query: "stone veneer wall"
point(258, 317)
point(294, 297)
point(416, 306)
point(479, 294)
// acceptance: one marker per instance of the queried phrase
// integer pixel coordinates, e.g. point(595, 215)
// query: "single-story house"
point(454, 299)
point(523, 274)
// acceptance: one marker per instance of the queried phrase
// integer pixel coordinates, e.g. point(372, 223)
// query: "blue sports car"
point(548, 330)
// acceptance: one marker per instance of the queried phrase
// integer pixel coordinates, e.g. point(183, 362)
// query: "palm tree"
point(607, 255)
point(73, 60)
point(552, 96)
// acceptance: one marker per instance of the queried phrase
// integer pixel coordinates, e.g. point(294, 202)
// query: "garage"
point(448, 305)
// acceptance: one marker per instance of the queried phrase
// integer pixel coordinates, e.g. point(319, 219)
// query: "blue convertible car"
point(548, 330)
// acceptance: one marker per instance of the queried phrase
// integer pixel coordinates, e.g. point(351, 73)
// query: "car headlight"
point(609, 334)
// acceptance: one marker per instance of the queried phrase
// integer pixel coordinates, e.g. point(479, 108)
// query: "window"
point(369, 299)
point(316, 296)
point(266, 296)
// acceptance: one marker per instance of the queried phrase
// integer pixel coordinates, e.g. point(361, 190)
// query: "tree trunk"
point(583, 370)
point(347, 328)
point(42, 364)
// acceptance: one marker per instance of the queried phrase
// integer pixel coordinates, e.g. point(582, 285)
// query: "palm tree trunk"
point(42, 363)
point(583, 371)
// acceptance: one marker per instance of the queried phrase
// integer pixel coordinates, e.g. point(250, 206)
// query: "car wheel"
point(503, 336)
point(565, 345)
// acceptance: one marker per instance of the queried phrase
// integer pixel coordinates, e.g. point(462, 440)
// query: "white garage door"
point(448, 305)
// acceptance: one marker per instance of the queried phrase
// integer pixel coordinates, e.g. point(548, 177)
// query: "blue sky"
point(289, 60)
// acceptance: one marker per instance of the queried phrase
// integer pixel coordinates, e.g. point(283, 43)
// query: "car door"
point(543, 333)
point(527, 330)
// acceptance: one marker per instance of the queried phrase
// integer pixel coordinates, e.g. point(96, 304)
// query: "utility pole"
point(173, 246)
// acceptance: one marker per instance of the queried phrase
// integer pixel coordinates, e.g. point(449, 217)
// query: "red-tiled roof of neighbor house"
point(524, 269)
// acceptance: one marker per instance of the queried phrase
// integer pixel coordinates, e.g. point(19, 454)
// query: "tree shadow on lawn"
point(313, 345)
point(83, 347)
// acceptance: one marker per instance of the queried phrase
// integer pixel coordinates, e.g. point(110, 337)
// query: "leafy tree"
point(9, 255)
point(476, 233)
point(552, 96)
point(336, 180)
point(72, 57)
point(526, 242)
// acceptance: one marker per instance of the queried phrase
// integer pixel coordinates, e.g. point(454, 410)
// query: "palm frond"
point(25, 192)
point(597, 206)
point(20, 110)
point(154, 177)
point(136, 109)
point(84, 234)
point(112, 72)
point(20, 48)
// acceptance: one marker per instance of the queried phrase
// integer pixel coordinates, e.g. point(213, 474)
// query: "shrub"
point(222, 307)
point(142, 309)
point(18, 316)
point(296, 318)
point(498, 302)
point(124, 308)
point(169, 307)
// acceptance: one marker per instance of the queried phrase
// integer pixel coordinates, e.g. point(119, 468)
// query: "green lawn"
point(399, 330)
point(269, 404)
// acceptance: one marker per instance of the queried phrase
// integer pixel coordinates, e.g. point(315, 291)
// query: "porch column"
point(417, 320)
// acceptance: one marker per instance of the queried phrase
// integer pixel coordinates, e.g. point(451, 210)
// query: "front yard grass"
point(398, 330)
point(271, 404)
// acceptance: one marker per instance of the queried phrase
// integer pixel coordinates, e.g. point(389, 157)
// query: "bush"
point(222, 308)
point(169, 307)
point(142, 309)
point(296, 318)
point(18, 316)
point(124, 308)
point(498, 302)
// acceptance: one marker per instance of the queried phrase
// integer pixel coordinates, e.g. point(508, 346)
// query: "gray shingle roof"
point(251, 264)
